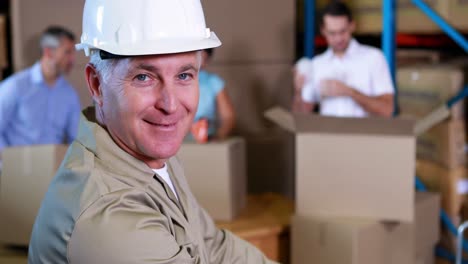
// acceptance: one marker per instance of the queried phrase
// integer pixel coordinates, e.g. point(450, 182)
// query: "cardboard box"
point(444, 144)
point(422, 89)
point(359, 241)
point(216, 173)
point(26, 174)
point(3, 43)
point(457, 14)
point(265, 223)
point(427, 257)
point(450, 183)
point(352, 167)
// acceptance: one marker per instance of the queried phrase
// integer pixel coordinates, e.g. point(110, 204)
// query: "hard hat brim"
point(160, 46)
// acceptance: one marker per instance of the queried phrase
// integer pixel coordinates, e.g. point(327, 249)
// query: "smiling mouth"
point(161, 125)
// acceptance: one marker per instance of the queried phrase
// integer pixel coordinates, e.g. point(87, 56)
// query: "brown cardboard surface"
point(444, 144)
point(25, 177)
point(27, 26)
point(360, 241)
point(421, 89)
point(3, 43)
point(216, 173)
point(446, 181)
point(352, 167)
point(457, 14)
point(253, 31)
point(270, 163)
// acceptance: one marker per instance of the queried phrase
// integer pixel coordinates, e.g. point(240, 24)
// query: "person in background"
point(214, 105)
point(349, 79)
point(38, 105)
point(120, 195)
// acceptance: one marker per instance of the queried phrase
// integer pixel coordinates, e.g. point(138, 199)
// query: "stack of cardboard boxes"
point(355, 198)
point(441, 150)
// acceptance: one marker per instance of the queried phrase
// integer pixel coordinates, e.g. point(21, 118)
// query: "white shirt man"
point(361, 67)
point(349, 79)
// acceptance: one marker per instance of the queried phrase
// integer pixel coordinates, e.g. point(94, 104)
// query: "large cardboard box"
point(27, 172)
point(352, 167)
point(358, 241)
point(450, 183)
point(422, 89)
point(3, 44)
point(457, 14)
point(444, 144)
point(216, 173)
point(265, 223)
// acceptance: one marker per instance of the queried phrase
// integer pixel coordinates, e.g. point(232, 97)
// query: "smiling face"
point(148, 104)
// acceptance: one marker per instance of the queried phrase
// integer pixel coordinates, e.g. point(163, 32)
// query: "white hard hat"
point(145, 27)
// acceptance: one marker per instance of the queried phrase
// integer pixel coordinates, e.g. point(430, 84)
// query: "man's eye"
point(184, 76)
point(142, 77)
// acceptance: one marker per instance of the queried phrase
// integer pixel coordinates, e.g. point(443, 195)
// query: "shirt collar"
point(350, 51)
point(38, 77)
point(97, 140)
point(36, 73)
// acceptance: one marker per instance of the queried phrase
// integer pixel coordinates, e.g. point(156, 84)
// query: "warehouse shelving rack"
point(389, 34)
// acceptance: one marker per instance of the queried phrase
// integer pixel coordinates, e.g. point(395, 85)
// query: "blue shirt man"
point(37, 105)
point(32, 112)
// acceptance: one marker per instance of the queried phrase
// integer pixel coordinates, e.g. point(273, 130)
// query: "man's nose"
point(166, 100)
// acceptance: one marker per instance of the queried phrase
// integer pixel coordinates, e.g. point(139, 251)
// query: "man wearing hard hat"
point(120, 196)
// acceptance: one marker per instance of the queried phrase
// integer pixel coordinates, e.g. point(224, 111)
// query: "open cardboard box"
point(322, 240)
point(352, 167)
point(26, 174)
point(216, 173)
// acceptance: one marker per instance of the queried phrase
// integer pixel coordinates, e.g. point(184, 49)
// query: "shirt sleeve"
point(225, 247)
point(73, 119)
point(381, 80)
point(309, 91)
point(217, 84)
point(122, 230)
point(8, 103)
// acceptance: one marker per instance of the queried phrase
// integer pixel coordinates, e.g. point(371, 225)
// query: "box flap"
point(281, 117)
point(325, 124)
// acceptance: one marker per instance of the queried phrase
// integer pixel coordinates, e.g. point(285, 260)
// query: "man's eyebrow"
point(188, 67)
point(147, 67)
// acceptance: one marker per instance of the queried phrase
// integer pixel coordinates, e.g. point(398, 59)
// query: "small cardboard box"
point(216, 173)
point(27, 172)
point(444, 144)
point(358, 241)
point(422, 89)
point(352, 167)
point(450, 183)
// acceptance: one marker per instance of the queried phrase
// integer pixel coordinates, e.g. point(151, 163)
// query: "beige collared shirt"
point(105, 206)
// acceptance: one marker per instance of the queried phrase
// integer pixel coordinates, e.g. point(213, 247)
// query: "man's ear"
point(94, 83)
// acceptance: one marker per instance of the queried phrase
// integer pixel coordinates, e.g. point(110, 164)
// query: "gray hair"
point(52, 36)
point(103, 67)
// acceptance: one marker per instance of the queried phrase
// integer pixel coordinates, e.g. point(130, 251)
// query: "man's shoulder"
point(370, 51)
point(17, 79)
